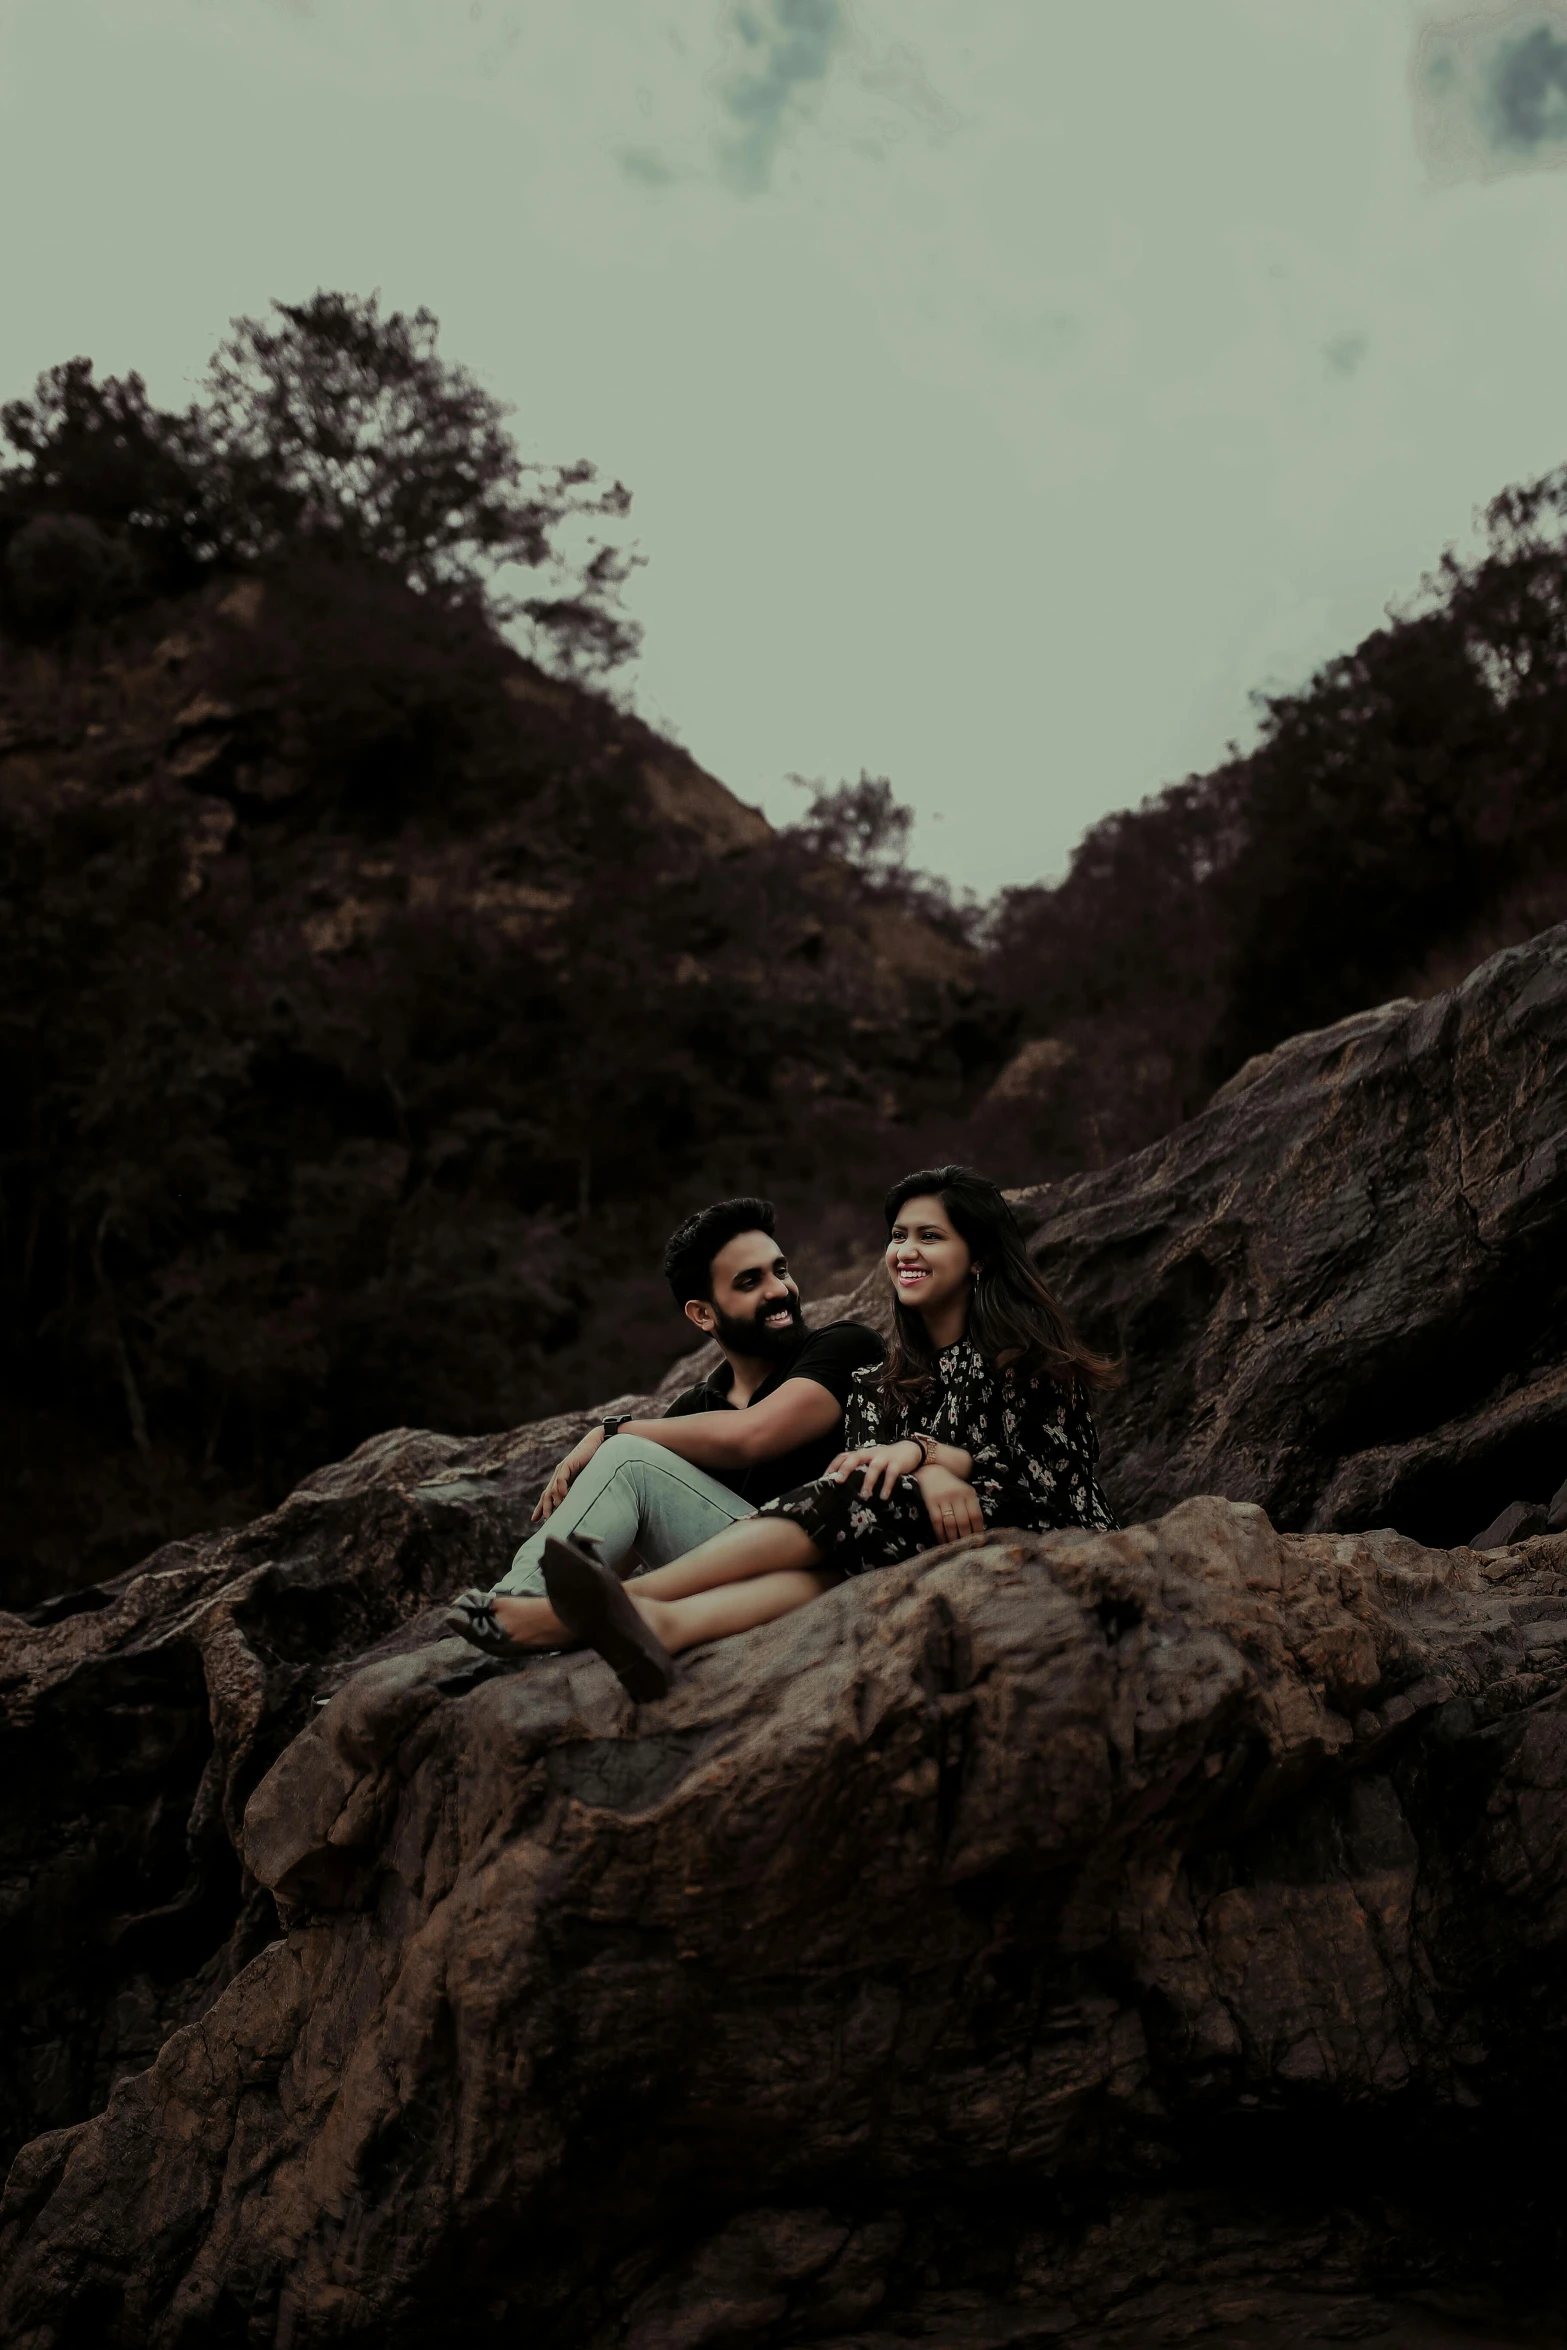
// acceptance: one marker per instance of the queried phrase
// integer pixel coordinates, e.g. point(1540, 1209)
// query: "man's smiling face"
point(755, 1304)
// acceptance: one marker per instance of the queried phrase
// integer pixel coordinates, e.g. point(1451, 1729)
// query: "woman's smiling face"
point(927, 1257)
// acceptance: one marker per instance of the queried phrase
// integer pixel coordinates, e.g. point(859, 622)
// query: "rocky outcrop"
point(1341, 1292)
point(140, 1714)
point(1004, 1883)
point(964, 1956)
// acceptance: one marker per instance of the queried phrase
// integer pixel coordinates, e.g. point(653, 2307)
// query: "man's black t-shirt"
point(830, 1357)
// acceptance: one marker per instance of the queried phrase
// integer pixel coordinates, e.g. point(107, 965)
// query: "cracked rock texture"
point(1081, 1939)
point(1008, 1876)
point(139, 1715)
point(1342, 1291)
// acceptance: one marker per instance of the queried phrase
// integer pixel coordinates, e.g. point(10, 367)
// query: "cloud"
point(1529, 91)
point(900, 76)
point(646, 166)
point(789, 46)
point(1490, 93)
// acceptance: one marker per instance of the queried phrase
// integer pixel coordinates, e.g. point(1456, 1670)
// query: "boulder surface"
point(1023, 1875)
point(1341, 1292)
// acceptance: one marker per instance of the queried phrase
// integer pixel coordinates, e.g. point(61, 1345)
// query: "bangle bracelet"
point(927, 1445)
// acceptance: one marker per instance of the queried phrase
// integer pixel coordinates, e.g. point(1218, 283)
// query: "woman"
point(979, 1417)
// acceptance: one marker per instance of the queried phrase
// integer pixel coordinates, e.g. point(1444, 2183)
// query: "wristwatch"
point(927, 1445)
point(612, 1425)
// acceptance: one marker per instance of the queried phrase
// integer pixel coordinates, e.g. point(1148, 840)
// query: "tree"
point(863, 829)
point(333, 423)
point(102, 504)
point(327, 427)
point(862, 824)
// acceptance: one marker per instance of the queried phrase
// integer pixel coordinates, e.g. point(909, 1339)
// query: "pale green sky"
point(1004, 388)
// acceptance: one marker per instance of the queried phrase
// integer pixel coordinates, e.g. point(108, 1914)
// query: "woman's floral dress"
point(1034, 1447)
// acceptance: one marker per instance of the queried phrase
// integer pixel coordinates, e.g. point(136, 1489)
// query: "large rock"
point(138, 1715)
point(1004, 1882)
point(1341, 1292)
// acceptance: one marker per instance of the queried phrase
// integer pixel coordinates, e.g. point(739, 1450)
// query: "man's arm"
point(799, 1411)
point(715, 1441)
point(723, 1442)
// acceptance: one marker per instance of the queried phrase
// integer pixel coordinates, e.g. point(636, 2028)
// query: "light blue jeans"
point(633, 1495)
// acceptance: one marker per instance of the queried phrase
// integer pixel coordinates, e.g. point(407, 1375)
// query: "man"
point(767, 1419)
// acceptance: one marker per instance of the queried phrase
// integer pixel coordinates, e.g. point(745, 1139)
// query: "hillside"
point(374, 1004)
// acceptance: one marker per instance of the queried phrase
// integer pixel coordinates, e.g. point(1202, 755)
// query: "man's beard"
point(744, 1335)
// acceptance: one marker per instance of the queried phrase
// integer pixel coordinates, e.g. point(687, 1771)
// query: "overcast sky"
point(1005, 388)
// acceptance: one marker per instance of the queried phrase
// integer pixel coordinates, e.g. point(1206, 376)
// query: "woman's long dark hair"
point(1013, 1319)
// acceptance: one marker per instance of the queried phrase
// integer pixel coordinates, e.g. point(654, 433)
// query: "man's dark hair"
point(688, 1259)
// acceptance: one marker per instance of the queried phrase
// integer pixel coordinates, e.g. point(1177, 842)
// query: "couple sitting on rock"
point(806, 1456)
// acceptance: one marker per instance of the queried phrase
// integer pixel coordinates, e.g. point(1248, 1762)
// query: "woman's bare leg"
point(726, 1608)
point(750, 1548)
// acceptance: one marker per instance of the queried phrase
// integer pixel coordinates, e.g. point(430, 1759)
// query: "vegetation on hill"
point(374, 996)
point(1402, 816)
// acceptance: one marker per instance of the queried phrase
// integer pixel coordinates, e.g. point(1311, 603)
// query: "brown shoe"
point(590, 1601)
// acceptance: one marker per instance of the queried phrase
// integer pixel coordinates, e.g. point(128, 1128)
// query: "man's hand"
point(570, 1468)
point(882, 1464)
point(952, 1507)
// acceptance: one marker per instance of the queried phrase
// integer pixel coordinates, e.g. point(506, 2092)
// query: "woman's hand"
point(570, 1468)
point(951, 1505)
point(881, 1464)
